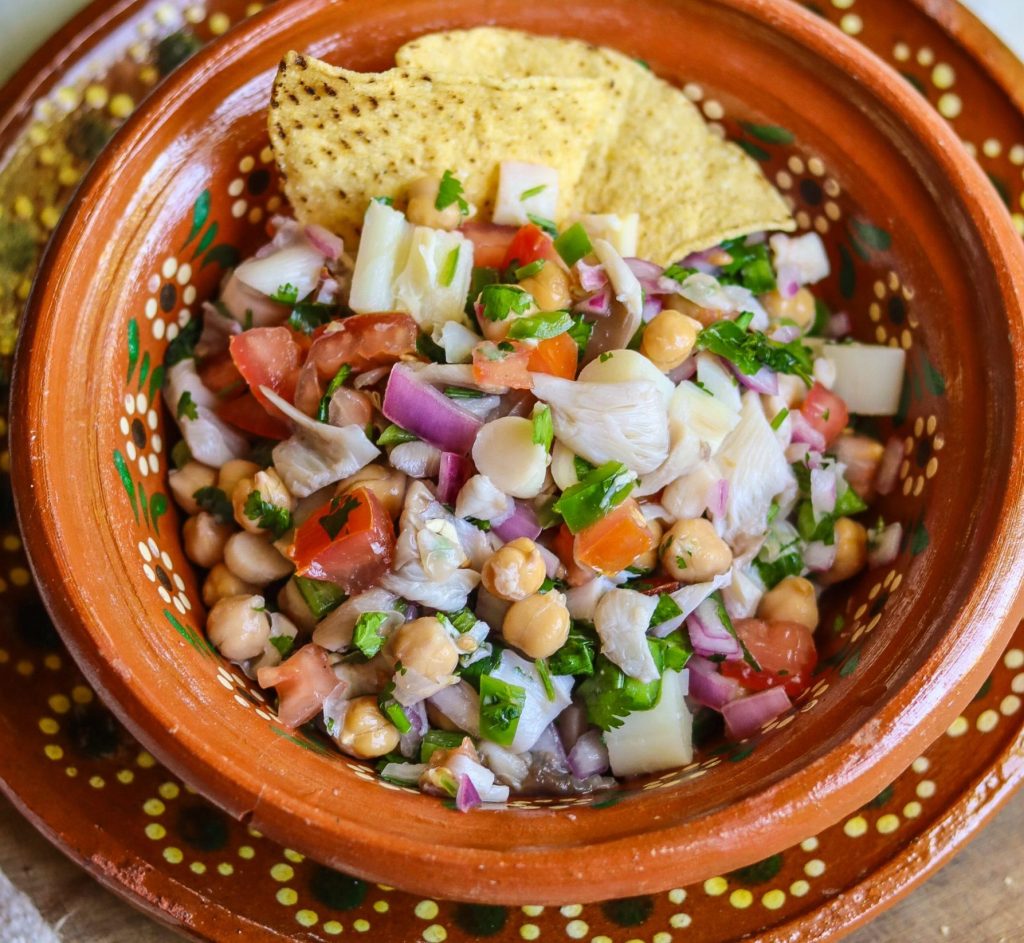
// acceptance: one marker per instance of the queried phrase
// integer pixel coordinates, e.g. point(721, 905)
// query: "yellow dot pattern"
point(426, 910)
point(287, 897)
point(856, 827)
point(306, 918)
point(435, 933)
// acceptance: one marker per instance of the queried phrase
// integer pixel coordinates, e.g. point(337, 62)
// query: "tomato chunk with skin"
point(615, 541)
point(826, 412)
point(784, 650)
point(220, 376)
point(349, 540)
point(498, 367)
point(530, 244)
point(303, 683)
point(556, 356)
point(490, 242)
point(364, 341)
point(268, 357)
point(245, 412)
point(563, 546)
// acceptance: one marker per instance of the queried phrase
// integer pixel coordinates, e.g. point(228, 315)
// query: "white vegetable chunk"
point(434, 281)
point(624, 283)
point(581, 601)
point(805, 254)
point(383, 249)
point(869, 377)
point(688, 496)
point(623, 366)
point(657, 739)
point(688, 598)
point(602, 422)
point(318, 454)
point(334, 631)
point(210, 440)
point(505, 452)
point(743, 592)
point(524, 190)
point(482, 499)
point(457, 340)
point(718, 380)
point(297, 265)
point(563, 466)
point(416, 459)
point(621, 619)
point(538, 711)
point(621, 232)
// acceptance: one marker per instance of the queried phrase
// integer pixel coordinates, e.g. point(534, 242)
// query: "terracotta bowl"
point(924, 256)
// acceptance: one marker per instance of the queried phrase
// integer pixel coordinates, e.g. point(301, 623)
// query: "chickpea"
point(204, 538)
point(231, 473)
point(799, 309)
point(514, 571)
point(186, 481)
point(549, 287)
point(388, 484)
point(422, 209)
point(669, 339)
point(648, 560)
point(694, 553)
point(239, 627)
point(292, 603)
point(703, 316)
point(538, 625)
point(851, 551)
point(221, 583)
point(424, 646)
point(254, 560)
point(791, 600)
point(366, 732)
point(271, 489)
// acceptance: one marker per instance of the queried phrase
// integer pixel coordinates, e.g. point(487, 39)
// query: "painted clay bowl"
point(924, 256)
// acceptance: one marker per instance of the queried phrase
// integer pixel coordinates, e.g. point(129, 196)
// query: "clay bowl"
point(924, 256)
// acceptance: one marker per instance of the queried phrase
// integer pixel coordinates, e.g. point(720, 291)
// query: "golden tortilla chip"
point(341, 138)
point(654, 155)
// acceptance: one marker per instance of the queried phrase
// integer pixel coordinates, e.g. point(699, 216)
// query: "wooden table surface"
point(974, 899)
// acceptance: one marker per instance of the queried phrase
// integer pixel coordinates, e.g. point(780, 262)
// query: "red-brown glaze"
point(926, 658)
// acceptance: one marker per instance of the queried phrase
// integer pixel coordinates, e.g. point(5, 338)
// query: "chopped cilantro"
point(581, 331)
point(545, 677)
point(533, 191)
point(606, 356)
point(324, 409)
point(439, 740)
point(391, 709)
point(461, 392)
point(184, 345)
point(386, 200)
point(847, 503)
point(609, 694)
point(474, 671)
point(501, 706)
point(187, 407)
point(396, 435)
point(215, 502)
point(481, 276)
point(321, 597)
point(751, 350)
point(180, 454)
point(542, 326)
point(334, 522)
point(780, 418)
point(449, 192)
point(576, 656)
point(542, 222)
point(528, 271)
point(426, 347)
point(268, 516)
point(750, 266)
point(497, 302)
point(451, 264)
point(479, 524)
point(366, 634)
point(307, 316)
point(573, 244)
point(595, 496)
point(283, 643)
point(287, 294)
point(666, 609)
point(679, 273)
point(543, 427)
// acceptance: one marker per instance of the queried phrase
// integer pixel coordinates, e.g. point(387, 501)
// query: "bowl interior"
point(187, 190)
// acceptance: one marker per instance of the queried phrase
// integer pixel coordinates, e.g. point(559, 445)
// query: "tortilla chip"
point(654, 155)
point(341, 138)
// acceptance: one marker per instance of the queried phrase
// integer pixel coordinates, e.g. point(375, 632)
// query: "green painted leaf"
point(847, 273)
point(881, 799)
point(144, 369)
point(849, 666)
point(919, 539)
point(933, 380)
point(742, 753)
point(769, 133)
point(1002, 189)
point(761, 872)
point(188, 634)
point(306, 744)
point(904, 404)
point(200, 213)
point(144, 503)
point(755, 151)
point(126, 480)
point(133, 347)
point(156, 382)
point(614, 799)
point(223, 255)
point(157, 509)
point(873, 236)
point(863, 254)
point(207, 239)
point(984, 690)
point(916, 82)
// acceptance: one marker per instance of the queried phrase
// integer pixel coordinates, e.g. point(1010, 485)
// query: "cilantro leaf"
point(307, 316)
point(544, 671)
point(287, 294)
point(283, 643)
point(323, 411)
point(268, 516)
point(750, 266)
point(752, 350)
point(679, 273)
point(497, 302)
point(581, 331)
point(187, 407)
point(215, 502)
point(449, 192)
point(501, 706)
point(576, 656)
point(321, 597)
point(334, 522)
point(366, 634)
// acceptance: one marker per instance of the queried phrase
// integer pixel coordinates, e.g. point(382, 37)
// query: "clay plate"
point(890, 662)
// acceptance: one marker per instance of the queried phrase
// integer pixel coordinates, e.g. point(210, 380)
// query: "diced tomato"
point(303, 683)
point(493, 366)
point(563, 546)
point(826, 412)
point(246, 413)
point(350, 540)
point(490, 243)
point(220, 375)
point(556, 356)
point(615, 541)
point(530, 244)
point(308, 389)
point(270, 357)
point(364, 341)
point(784, 650)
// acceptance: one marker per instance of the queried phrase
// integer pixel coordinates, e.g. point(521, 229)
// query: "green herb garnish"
point(533, 191)
point(576, 656)
point(573, 244)
point(323, 411)
point(268, 516)
point(461, 392)
point(439, 740)
point(187, 407)
point(451, 264)
point(497, 302)
point(501, 706)
point(581, 331)
point(542, 222)
point(287, 294)
point(449, 192)
point(215, 502)
point(666, 609)
point(780, 418)
point(543, 427)
point(751, 350)
point(679, 273)
point(396, 435)
point(750, 266)
point(283, 643)
point(321, 597)
point(307, 316)
point(366, 634)
point(334, 522)
point(595, 496)
point(545, 677)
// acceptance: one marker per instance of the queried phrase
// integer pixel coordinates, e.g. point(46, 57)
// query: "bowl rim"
point(781, 810)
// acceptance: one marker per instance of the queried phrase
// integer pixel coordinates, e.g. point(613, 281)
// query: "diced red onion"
point(652, 308)
point(218, 328)
point(455, 471)
point(748, 715)
point(886, 546)
point(466, 797)
point(409, 743)
point(708, 686)
point(889, 466)
point(552, 565)
point(803, 431)
point(521, 523)
point(700, 261)
point(461, 705)
point(708, 633)
point(764, 381)
point(838, 325)
point(328, 292)
point(550, 742)
point(785, 333)
point(819, 556)
point(572, 724)
point(647, 273)
point(788, 279)
point(240, 299)
point(718, 497)
point(589, 756)
point(823, 491)
point(592, 277)
point(426, 412)
point(684, 371)
point(598, 304)
point(324, 241)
